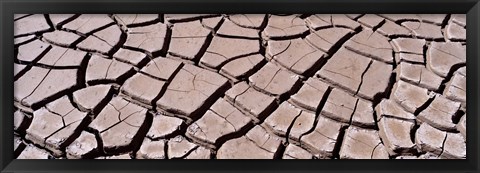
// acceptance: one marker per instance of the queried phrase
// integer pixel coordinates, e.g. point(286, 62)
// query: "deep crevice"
point(22, 17)
point(280, 151)
point(60, 24)
point(450, 75)
point(289, 129)
point(338, 143)
point(363, 75)
point(319, 109)
point(424, 106)
point(239, 133)
point(98, 138)
point(137, 140)
point(164, 88)
point(413, 131)
point(443, 145)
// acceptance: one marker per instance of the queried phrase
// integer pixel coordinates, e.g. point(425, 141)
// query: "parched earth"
point(210, 86)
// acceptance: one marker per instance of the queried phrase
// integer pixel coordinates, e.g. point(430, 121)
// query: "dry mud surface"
point(240, 86)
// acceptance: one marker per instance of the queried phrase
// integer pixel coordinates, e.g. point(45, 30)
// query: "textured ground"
point(240, 86)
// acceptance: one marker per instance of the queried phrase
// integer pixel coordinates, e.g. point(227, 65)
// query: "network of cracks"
point(240, 86)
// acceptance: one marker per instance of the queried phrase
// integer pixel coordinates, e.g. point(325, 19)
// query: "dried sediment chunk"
point(318, 21)
point(188, 39)
point(460, 19)
point(390, 108)
point(429, 139)
point(62, 58)
point(281, 119)
point(199, 85)
point(345, 108)
point(424, 30)
point(117, 157)
point(88, 23)
point(274, 80)
point(395, 135)
point(440, 113)
point(322, 140)
point(83, 147)
point(362, 144)
point(220, 51)
point(23, 40)
point(199, 153)
point(441, 57)
point(212, 23)
point(102, 69)
point(131, 20)
point(311, 94)
point(408, 45)
point(254, 21)
point(60, 19)
point(375, 80)
point(162, 68)
point(54, 125)
point(230, 29)
point(119, 123)
point(429, 155)
point(325, 39)
point(143, 89)
point(135, 58)
point(218, 123)
point(257, 104)
point(103, 41)
point(19, 70)
point(32, 51)
point(345, 69)
point(242, 67)
point(38, 85)
point(296, 152)
point(92, 98)
point(363, 115)
point(456, 89)
point(242, 148)
point(21, 121)
point(391, 29)
point(151, 150)
point(179, 147)
point(370, 20)
point(454, 147)
point(61, 38)
point(164, 126)
point(419, 75)
point(284, 27)
point(409, 96)
point(462, 126)
point(149, 38)
point(256, 144)
point(339, 106)
point(32, 152)
point(456, 32)
point(302, 124)
point(30, 25)
point(371, 44)
point(296, 55)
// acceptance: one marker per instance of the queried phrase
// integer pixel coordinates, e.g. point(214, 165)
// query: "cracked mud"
point(242, 86)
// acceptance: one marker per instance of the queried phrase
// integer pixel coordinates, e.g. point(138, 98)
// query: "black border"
point(9, 7)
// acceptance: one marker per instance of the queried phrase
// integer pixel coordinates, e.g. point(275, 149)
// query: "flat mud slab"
point(243, 86)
